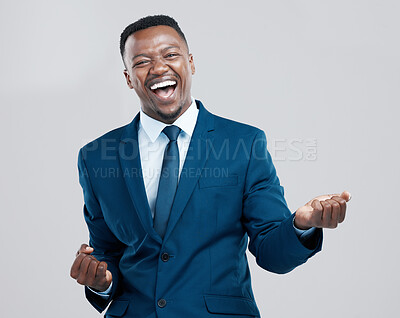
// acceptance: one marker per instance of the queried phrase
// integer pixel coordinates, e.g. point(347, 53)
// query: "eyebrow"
point(163, 50)
point(170, 47)
point(142, 54)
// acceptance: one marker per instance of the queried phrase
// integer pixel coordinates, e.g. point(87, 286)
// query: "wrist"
point(101, 289)
point(297, 222)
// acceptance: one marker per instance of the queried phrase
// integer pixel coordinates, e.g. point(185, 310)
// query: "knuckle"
point(93, 267)
point(327, 205)
point(80, 281)
point(81, 257)
point(74, 272)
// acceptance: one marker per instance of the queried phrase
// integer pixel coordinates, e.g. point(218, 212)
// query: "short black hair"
point(147, 22)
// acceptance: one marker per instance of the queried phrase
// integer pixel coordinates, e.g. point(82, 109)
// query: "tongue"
point(164, 92)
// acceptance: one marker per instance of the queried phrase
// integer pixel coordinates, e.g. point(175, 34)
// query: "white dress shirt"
point(152, 144)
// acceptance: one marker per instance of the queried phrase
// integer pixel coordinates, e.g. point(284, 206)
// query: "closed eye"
point(171, 55)
point(140, 63)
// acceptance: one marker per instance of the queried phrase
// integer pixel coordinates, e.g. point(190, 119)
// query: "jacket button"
point(161, 303)
point(165, 257)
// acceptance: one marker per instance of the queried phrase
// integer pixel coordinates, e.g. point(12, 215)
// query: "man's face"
point(159, 68)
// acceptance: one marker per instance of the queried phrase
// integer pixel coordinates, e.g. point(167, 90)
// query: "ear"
point(191, 62)
point(128, 79)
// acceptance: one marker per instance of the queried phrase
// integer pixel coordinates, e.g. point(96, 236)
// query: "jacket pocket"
point(208, 182)
point(117, 308)
point(231, 305)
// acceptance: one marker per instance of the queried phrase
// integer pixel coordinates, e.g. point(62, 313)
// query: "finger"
point(86, 249)
point(343, 205)
point(346, 195)
point(335, 212)
point(103, 277)
point(316, 213)
point(101, 269)
point(76, 265)
point(91, 273)
point(326, 214)
point(83, 270)
point(316, 205)
point(324, 197)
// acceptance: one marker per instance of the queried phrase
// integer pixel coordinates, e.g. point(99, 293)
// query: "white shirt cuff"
point(105, 294)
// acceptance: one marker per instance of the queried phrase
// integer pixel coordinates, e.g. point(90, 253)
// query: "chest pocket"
point(214, 181)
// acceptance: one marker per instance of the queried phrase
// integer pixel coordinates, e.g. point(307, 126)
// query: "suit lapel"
point(129, 157)
point(195, 160)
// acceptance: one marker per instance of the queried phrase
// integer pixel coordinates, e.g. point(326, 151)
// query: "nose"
point(159, 67)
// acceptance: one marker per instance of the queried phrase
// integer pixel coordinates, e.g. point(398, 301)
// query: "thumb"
point(346, 195)
point(85, 249)
point(108, 276)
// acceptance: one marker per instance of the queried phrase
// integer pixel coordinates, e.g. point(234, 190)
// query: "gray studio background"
point(321, 78)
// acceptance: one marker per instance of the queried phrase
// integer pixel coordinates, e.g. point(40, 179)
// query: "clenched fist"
point(88, 271)
point(324, 211)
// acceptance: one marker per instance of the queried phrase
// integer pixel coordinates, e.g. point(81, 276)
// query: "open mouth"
point(164, 90)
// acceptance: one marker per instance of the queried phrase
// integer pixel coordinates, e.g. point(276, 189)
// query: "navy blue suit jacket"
point(228, 192)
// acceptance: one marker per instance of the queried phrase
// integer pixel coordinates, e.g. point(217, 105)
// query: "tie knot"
point(172, 132)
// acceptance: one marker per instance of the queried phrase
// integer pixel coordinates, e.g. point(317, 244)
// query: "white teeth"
point(162, 84)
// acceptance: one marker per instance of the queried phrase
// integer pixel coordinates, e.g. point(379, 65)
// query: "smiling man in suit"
point(172, 198)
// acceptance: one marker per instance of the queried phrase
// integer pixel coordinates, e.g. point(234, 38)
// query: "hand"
point(88, 271)
point(324, 211)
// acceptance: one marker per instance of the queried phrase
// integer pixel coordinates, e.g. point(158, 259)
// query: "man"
point(172, 197)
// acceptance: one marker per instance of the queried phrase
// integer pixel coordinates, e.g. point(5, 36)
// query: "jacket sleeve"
point(106, 246)
point(266, 217)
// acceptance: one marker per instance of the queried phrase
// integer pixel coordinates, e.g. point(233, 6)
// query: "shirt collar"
point(186, 122)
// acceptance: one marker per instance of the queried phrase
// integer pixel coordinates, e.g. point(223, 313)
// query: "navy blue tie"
point(168, 181)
